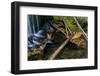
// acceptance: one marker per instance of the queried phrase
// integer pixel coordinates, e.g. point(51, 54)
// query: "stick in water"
point(59, 49)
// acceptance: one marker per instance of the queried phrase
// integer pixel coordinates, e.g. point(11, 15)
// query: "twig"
point(59, 29)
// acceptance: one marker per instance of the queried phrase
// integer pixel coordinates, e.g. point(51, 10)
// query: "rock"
point(36, 53)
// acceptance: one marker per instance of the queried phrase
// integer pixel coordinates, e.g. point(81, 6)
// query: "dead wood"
point(59, 49)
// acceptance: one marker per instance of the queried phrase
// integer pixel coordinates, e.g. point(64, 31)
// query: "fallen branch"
point(79, 26)
point(59, 49)
point(55, 27)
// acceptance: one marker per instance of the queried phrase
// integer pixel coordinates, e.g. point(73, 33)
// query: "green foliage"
point(71, 23)
point(83, 22)
point(56, 19)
